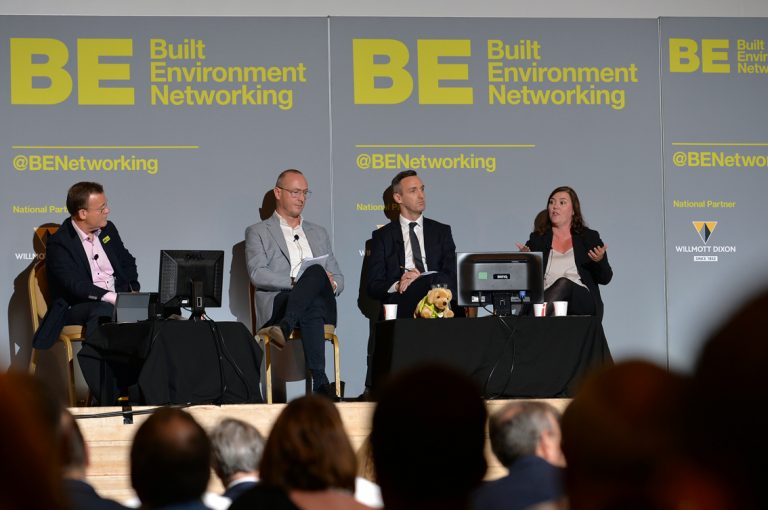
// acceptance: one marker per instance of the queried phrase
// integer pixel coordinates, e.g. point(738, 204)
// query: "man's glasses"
point(295, 193)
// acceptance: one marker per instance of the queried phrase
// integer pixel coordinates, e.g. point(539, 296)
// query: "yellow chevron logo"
point(704, 229)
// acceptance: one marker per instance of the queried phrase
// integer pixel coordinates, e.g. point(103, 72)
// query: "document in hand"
point(311, 261)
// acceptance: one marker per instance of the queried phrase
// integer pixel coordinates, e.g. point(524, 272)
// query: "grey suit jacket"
point(269, 266)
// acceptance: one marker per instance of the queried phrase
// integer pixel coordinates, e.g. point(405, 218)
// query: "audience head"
point(308, 449)
point(724, 423)
point(365, 468)
point(236, 447)
point(524, 429)
point(74, 453)
point(428, 437)
point(170, 459)
point(30, 467)
point(619, 432)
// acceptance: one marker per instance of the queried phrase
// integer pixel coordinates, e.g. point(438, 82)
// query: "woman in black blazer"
point(574, 256)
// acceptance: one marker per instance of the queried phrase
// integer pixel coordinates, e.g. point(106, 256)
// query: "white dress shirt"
point(298, 246)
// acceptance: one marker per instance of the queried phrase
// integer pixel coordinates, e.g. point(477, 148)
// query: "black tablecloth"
point(526, 357)
point(173, 362)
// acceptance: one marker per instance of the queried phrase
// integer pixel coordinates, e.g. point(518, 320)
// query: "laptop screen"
point(132, 306)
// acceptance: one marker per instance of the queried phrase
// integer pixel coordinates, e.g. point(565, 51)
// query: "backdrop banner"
point(188, 121)
point(714, 77)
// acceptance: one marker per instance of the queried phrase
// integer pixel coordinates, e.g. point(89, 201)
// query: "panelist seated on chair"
point(410, 255)
point(274, 250)
point(87, 263)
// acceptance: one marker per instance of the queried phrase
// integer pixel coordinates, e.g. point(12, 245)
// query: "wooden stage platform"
point(109, 439)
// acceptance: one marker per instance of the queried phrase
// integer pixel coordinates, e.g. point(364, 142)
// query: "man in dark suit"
point(87, 262)
point(525, 437)
point(410, 255)
point(87, 266)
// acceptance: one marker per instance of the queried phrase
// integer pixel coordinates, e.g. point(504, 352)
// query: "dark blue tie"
point(415, 248)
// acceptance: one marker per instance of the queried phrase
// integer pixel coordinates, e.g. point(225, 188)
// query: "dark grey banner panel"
point(714, 78)
point(185, 121)
point(494, 114)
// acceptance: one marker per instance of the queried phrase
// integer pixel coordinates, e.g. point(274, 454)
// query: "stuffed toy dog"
point(436, 304)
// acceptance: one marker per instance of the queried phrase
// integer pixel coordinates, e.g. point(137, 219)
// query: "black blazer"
point(69, 276)
point(69, 273)
point(387, 256)
point(83, 496)
point(591, 273)
point(531, 480)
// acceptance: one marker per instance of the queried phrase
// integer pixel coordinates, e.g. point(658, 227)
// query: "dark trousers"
point(580, 301)
point(309, 305)
point(96, 371)
point(90, 314)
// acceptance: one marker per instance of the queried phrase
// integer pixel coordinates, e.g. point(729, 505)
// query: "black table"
point(173, 362)
point(510, 357)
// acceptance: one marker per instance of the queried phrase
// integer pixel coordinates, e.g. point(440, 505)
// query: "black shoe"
point(365, 396)
point(329, 391)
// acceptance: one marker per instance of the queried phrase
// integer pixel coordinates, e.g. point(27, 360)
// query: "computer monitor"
point(191, 278)
point(508, 281)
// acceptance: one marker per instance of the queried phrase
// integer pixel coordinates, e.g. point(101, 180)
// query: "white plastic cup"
point(390, 312)
point(539, 309)
point(561, 308)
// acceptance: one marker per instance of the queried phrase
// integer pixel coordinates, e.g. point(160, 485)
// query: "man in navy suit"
point(410, 255)
point(87, 262)
point(525, 437)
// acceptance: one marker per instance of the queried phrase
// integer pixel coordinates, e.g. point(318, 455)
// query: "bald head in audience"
point(170, 459)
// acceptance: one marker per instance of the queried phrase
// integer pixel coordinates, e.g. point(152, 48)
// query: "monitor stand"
point(197, 301)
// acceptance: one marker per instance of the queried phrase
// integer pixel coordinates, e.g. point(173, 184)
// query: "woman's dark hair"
point(542, 223)
point(308, 449)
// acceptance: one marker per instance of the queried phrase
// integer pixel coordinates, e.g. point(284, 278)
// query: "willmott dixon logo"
point(704, 229)
point(705, 252)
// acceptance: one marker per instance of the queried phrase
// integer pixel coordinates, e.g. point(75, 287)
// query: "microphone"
point(96, 257)
point(295, 237)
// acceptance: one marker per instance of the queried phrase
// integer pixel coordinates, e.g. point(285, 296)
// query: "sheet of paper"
point(311, 261)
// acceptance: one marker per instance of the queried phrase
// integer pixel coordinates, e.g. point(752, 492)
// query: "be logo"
point(380, 76)
point(689, 56)
point(39, 73)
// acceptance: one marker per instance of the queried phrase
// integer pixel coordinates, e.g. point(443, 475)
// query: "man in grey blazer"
point(285, 299)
